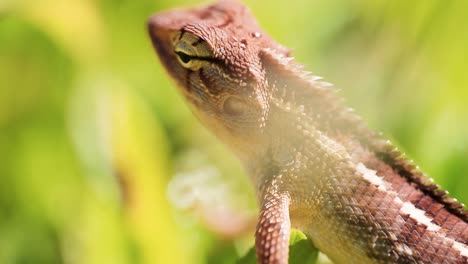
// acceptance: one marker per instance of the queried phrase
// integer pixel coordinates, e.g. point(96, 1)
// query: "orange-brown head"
point(213, 54)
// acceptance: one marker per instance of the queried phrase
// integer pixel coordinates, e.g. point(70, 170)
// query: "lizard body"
point(315, 165)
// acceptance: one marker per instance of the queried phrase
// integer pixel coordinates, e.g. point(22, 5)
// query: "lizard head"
point(212, 54)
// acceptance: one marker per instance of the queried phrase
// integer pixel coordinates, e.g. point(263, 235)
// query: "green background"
point(101, 161)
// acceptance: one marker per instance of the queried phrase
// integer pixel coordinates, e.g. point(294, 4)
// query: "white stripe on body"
point(408, 208)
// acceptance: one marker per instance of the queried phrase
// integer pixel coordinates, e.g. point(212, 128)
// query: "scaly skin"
point(315, 165)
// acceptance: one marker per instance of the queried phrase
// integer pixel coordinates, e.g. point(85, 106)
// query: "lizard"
point(314, 163)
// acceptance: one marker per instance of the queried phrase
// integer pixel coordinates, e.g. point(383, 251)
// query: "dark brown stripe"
point(416, 178)
point(409, 192)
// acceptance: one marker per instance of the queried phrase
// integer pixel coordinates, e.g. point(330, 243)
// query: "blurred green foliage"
point(101, 162)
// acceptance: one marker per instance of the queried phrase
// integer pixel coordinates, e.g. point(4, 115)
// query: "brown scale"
point(409, 191)
point(345, 118)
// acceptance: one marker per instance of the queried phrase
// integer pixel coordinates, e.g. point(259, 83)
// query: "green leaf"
point(249, 258)
point(301, 251)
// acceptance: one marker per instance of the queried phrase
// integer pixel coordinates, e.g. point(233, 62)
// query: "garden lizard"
point(314, 163)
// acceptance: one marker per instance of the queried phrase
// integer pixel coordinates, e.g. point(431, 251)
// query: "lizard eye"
point(191, 51)
point(184, 57)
